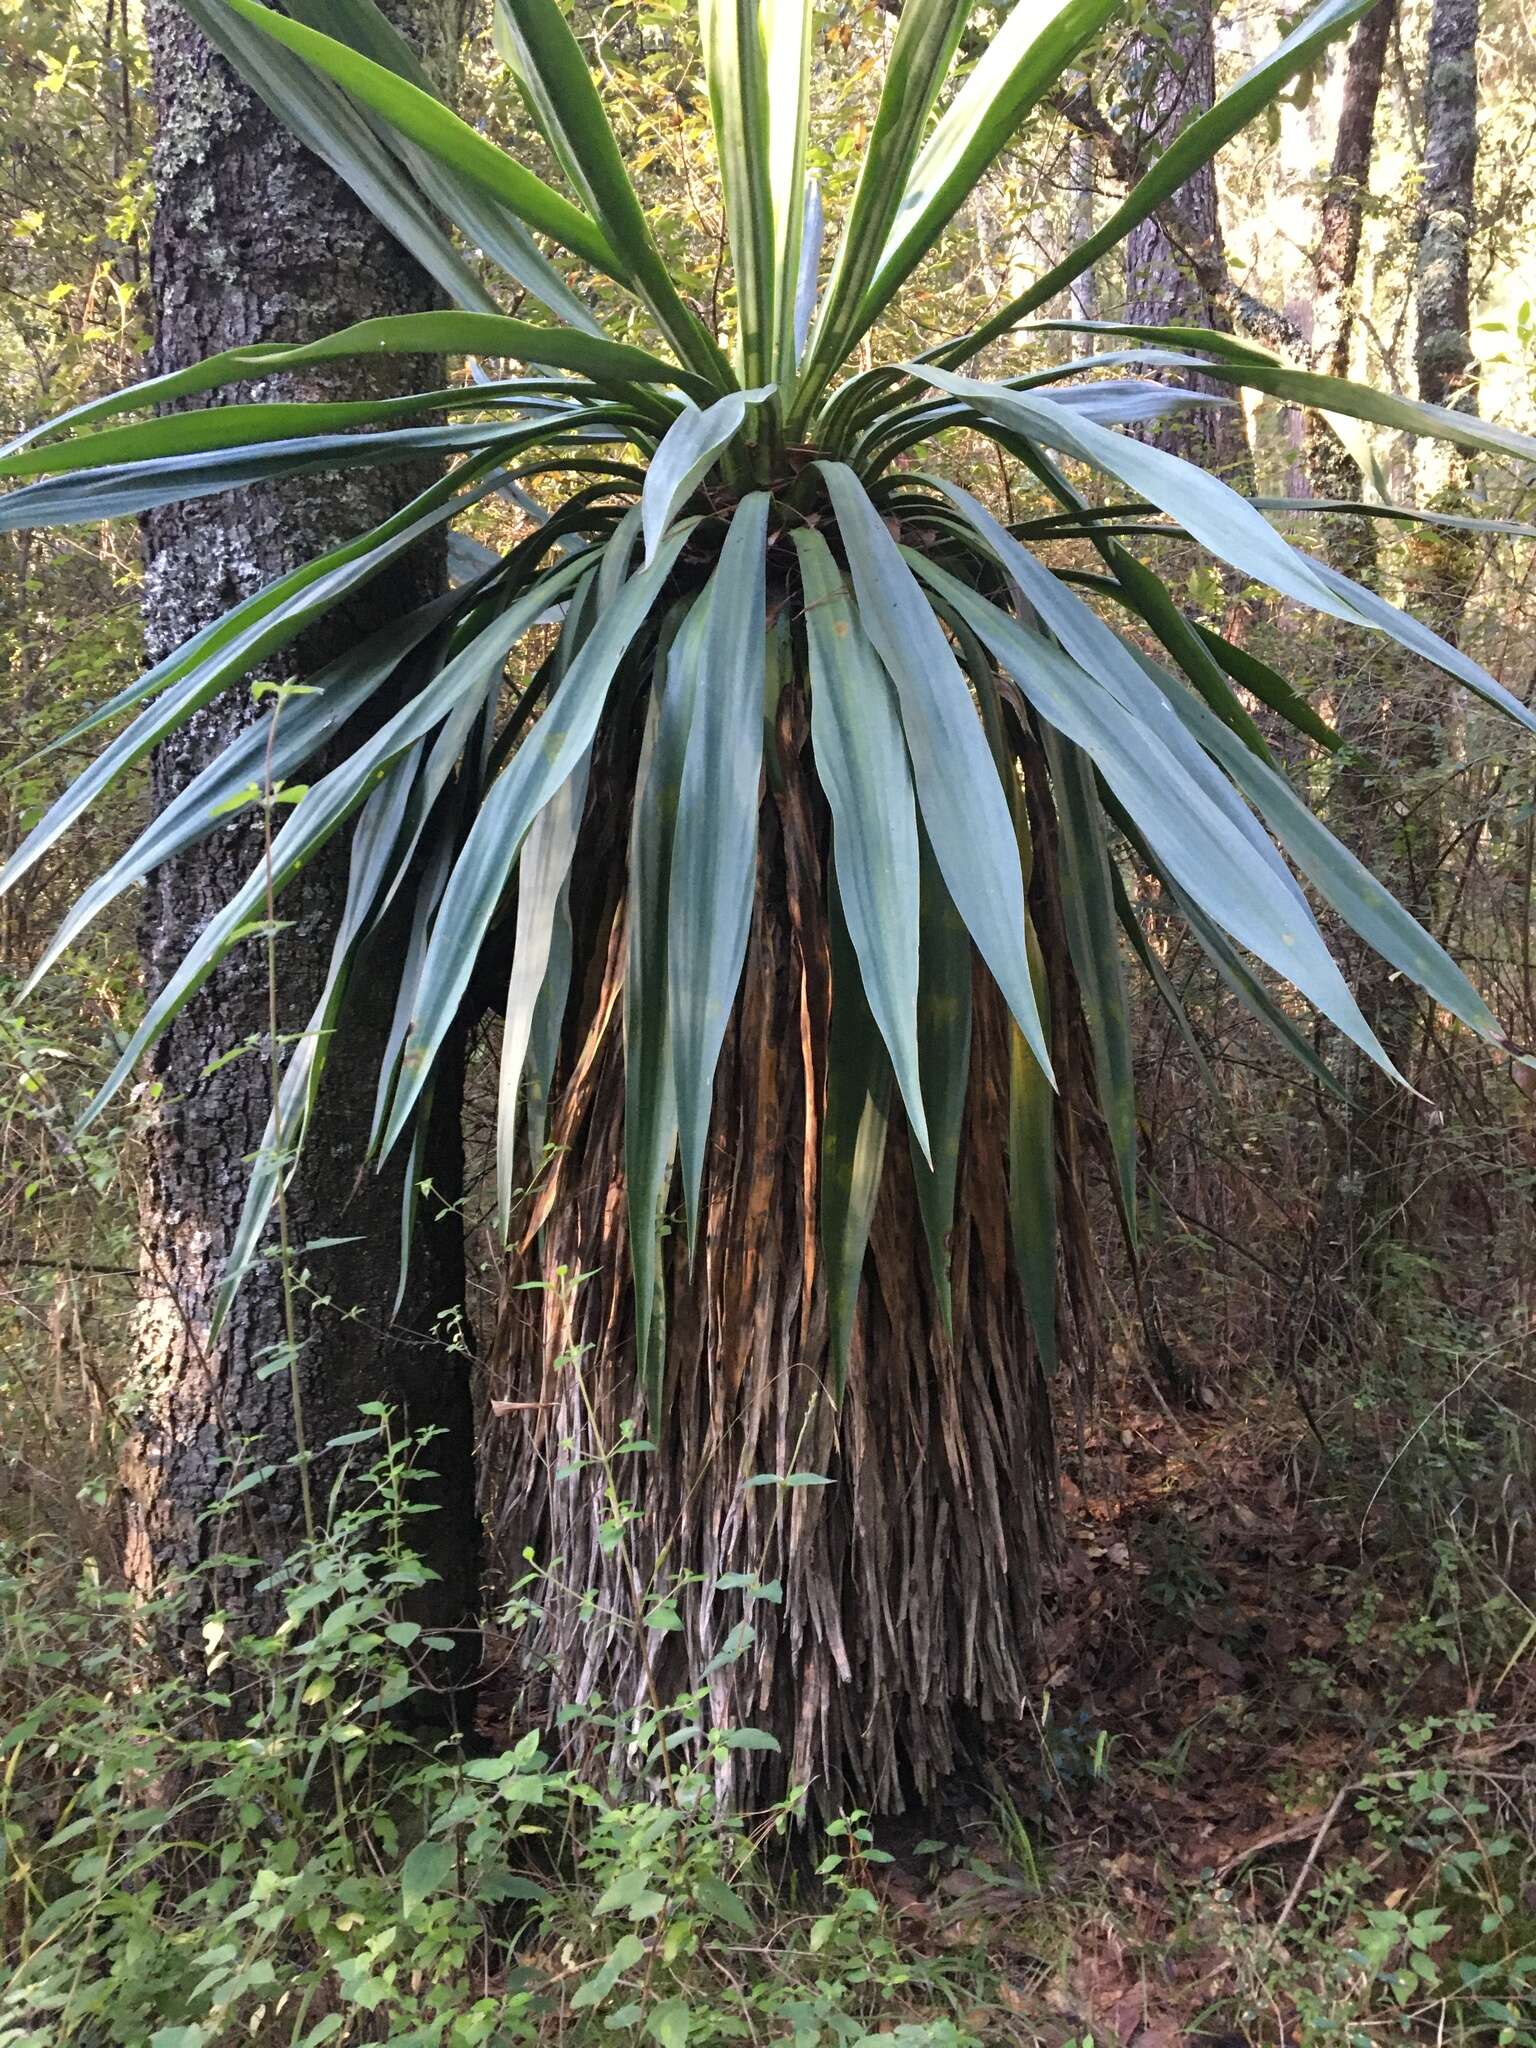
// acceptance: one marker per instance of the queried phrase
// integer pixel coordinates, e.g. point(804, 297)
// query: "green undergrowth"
point(278, 1849)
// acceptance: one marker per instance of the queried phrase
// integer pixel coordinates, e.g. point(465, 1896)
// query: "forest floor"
point(1290, 1731)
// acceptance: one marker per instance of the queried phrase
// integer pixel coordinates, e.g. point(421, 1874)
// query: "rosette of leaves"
point(740, 579)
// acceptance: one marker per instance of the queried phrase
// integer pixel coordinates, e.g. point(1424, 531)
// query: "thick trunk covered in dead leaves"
point(910, 1583)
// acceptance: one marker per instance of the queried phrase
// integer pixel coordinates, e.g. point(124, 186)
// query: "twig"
point(1324, 1828)
point(68, 1265)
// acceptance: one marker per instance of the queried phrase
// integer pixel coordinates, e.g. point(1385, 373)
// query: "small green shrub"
point(275, 1848)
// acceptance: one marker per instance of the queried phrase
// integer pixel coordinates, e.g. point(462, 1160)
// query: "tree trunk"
point(1391, 709)
point(1082, 301)
point(1442, 565)
point(1171, 77)
point(910, 1584)
point(1365, 669)
point(1443, 357)
point(255, 240)
point(1332, 471)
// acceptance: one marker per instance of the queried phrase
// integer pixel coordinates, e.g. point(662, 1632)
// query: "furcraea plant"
point(794, 841)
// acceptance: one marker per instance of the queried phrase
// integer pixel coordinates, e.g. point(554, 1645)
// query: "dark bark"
point(911, 1584)
point(1393, 711)
point(1443, 358)
point(255, 240)
point(1365, 671)
point(1332, 471)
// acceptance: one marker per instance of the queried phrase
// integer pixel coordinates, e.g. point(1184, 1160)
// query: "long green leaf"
point(1024, 60)
point(1087, 902)
point(372, 852)
point(688, 452)
point(1194, 145)
point(1216, 864)
point(1245, 363)
point(232, 427)
point(1231, 969)
point(329, 125)
point(1089, 640)
point(1160, 979)
point(1147, 593)
point(1032, 1190)
point(1418, 639)
point(536, 771)
point(427, 894)
point(484, 222)
point(944, 1039)
point(610, 364)
point(555, 81)
point(787, 30)
point(924, 46)
point(736, 66)
point(1235, 531)
point(430, 124)
point(118, 492)
point(1031, 1097)
point(326, 806)
point(226, 650)
point(650, 1095)
point(542, 871)
point(235, 778)
point(813, 227)
point(1203, 505)
point(861, 763)
point(853, 1135)
point(1252, 994)
point(714, 848)
point(962, 802)
point(462, 754)
point(650, 1098)
point(1333, 870)
point(548, 1023)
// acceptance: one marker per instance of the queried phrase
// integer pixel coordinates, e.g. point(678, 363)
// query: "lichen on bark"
point(255, 240)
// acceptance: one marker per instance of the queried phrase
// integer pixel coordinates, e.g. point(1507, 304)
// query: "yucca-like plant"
point(809, 711)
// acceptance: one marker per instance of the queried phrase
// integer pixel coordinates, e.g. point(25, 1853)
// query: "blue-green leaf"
point(853, 1134)
point(1024, 60)
point(1199, 843)
point(542, 871)
point(1088, 911)
point(1211, 511)
point(861, 762)
point(963, 805)
point(536, 771)
point(430, 124)
point(327, 804)
point(688, 451)
point(944, 1038)
point(226, 650)
point(650, 1096)
point(714, 848)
